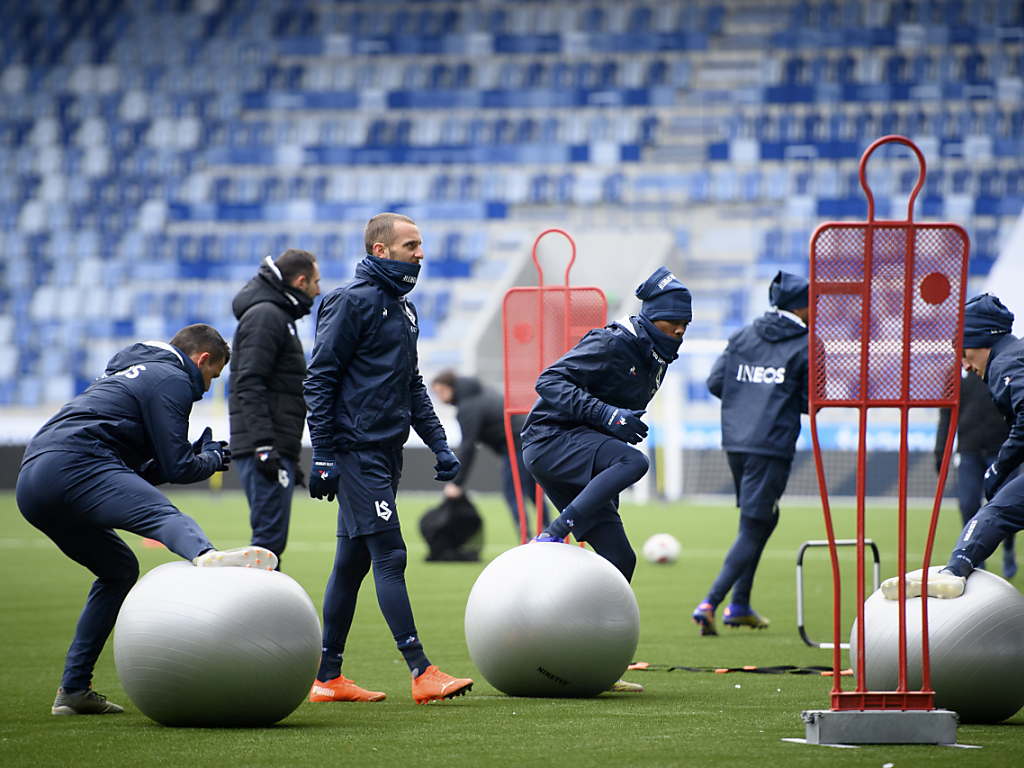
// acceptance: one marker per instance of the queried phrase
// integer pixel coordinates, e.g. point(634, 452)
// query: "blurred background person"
point(481, 415)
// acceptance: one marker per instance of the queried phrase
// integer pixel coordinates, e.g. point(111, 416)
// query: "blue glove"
point(624, 424)
point(206, 444)
point(994, 479)
point(323, 476)
point(447, 466)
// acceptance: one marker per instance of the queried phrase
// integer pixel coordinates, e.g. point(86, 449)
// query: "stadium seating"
point(153, 151)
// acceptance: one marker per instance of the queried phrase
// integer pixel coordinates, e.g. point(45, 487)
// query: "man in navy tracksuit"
point(363, 392)
point(577, 438)
point(92, 468)
point(266, 403)
point(992, 352)
point(761, 379)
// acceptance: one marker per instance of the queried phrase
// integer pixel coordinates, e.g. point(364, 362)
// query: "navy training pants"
point(589, 470)
point(270, 503)
point(760, 482)
point(970, 484)
point(1001, 517)
point(78, 501)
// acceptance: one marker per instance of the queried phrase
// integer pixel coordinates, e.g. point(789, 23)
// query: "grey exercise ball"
point(976, 648)
point(216, 647)
point(551, 620)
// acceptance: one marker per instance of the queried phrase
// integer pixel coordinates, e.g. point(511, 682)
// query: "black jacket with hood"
point(268, 366)
point(481, 414)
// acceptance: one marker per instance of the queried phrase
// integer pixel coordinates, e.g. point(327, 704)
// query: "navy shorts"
point(760, 482)
point(368, 482)
point(563, 463)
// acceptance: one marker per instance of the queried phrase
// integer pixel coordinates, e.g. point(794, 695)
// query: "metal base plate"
point(934, 726)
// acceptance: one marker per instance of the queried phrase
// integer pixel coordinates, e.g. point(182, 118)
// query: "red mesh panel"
point(846, 282)
point(534, 339)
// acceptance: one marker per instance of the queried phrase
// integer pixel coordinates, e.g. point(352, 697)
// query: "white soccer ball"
point(661, 548)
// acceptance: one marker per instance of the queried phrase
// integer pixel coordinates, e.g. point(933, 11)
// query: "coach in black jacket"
point(761, 379)
point(92, 468)
point(268, 410)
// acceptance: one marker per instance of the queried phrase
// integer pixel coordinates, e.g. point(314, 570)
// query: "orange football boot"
point(434, 685)
point(342, 689)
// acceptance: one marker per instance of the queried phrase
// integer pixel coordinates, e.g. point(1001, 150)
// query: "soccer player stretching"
point(577, 438)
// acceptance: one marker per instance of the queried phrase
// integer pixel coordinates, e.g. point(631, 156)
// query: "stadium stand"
point(152, 151)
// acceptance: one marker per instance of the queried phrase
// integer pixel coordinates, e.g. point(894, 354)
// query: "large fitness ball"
point(547, 619)
point(216, 647)
point(976, 648)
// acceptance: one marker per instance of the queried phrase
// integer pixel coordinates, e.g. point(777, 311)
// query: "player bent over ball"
point(577, 438)
point(92, 468)
point(992, 352)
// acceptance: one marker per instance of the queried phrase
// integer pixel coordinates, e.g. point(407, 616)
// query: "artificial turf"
point(682, 718)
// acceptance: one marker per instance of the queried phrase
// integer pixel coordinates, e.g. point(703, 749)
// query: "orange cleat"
point(434, 685)
point(342, 689)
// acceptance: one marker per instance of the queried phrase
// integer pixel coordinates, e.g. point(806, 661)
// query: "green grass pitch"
point(682, 718)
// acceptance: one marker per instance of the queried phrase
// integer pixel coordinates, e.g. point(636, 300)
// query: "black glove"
point(268, 462)
point(225, 456)
point(447, 466)
point(323, 477)
point(624, 424)
point(206, 444)
point(994, 479)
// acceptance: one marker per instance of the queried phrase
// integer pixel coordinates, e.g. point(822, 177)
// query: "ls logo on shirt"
point(383, 510)
point(131, 372)
point(759, 374)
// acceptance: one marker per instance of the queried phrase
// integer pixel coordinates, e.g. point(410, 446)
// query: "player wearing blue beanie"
point(995, 354)
point(577, 439)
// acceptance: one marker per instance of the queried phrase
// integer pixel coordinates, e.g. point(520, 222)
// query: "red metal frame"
point(546, 353)
point(917, 238)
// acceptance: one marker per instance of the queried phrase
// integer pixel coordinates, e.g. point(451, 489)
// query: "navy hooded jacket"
point(136, 414)
point(1004, 374)
point(761, 379)
point(615, 365)
point(364, 387)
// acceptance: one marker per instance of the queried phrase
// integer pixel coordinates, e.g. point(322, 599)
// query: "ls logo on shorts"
point(383, 510)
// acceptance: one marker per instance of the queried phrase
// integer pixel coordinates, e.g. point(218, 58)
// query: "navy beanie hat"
point(788, 291)
point(986, 320)
point(664, 297)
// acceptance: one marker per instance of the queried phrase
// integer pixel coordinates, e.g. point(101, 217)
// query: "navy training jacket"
point(615, 365)
point(137, 414)
point(364, 387)
point(761, 379)
point(1004, 375)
